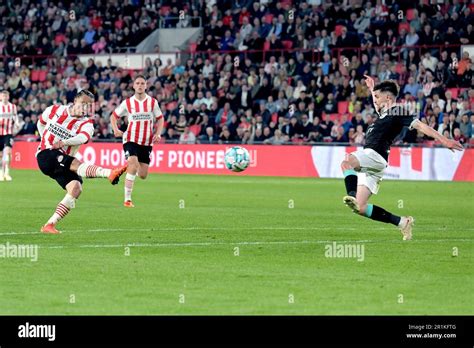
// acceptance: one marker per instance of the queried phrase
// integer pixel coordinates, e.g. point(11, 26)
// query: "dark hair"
point(139, 76)
point(85, 93)
point(389, 86)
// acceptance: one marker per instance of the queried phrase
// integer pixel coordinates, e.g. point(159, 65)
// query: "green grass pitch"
point(183, 260)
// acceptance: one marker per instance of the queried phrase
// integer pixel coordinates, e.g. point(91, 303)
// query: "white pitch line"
point(191, 244)
point(277, 228)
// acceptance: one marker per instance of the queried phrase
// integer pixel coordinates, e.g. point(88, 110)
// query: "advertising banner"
point(405, 163)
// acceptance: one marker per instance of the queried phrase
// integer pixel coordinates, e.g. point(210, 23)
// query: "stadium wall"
point(405, 163)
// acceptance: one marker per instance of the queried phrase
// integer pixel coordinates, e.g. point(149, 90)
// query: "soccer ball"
point(237, 159)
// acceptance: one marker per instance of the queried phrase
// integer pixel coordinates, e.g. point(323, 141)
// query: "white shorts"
point(372, 166)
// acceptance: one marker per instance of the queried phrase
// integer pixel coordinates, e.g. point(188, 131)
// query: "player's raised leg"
point(358, 194)
point(349, 167)
point(93, 171)
point(374, 212)
point(73, 189)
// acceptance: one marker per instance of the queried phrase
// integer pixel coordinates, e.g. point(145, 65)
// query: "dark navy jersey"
point(386, 128)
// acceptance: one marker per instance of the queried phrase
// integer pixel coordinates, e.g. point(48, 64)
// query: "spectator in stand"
point(465, 126)
point(187, 137)
point(452, 124)
point(209, 137)
point(359, 136)
point(458, 136)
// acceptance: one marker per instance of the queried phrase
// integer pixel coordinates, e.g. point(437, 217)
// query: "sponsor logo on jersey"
point(59, 131)
point(141, 117)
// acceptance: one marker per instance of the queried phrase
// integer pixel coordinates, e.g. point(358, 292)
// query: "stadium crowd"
point(262, 72)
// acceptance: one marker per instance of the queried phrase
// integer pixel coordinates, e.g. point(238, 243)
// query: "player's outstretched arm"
point(427, 130)
point(369, 81)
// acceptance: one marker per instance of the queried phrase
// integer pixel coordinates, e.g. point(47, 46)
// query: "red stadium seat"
point(334, 117)
point(195, 128)
point(60, 38)
point(287, 44)
point(399, 68)
point(266, 45)
point(275, 117)
point(342, 107)
point(42, 75)
point(405, 26)
point(410, 14)
point(338, 30)
point(192, 47)
point(171, 106)
point(35, 75)
point(454, 92)
point(164, 10)
point(268, 18)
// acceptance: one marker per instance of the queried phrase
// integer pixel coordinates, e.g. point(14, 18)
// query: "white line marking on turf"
point(277, 228)
point(191, 244)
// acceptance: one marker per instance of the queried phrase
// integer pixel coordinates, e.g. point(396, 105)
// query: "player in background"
point(363, 169)
point(8, 122)
point(141, 111)
point(63, 129)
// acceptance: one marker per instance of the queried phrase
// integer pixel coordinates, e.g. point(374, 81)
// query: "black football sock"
point(379, 214)
point(350, 179)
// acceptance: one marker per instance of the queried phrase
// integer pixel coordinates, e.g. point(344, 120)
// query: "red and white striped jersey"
point(141, 116)
point(60, 125)
point(8, 117)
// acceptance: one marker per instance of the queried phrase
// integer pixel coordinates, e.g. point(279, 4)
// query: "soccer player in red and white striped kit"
point(8, 119)
point(63, 129)
point(141, 111)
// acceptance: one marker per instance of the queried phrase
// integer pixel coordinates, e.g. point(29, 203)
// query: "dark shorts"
point(6, 140)
point(56, 164)
point(141, 151)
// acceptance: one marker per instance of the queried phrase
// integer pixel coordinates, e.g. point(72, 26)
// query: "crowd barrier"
point(405, 163)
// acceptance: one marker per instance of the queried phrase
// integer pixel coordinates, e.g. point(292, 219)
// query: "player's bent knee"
point(142, 175)
point(75, 189)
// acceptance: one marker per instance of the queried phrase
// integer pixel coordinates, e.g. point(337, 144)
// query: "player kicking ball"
point(141, 111)
point(8, 122)
point(363, 169)
point(63, 129)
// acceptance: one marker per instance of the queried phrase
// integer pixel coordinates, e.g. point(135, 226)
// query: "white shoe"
point(351, 202)
point(2, 178)
point(406, 229)
point(7, 177)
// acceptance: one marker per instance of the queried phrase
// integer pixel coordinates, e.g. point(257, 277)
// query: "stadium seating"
point(39, 71)
point(342, 107)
